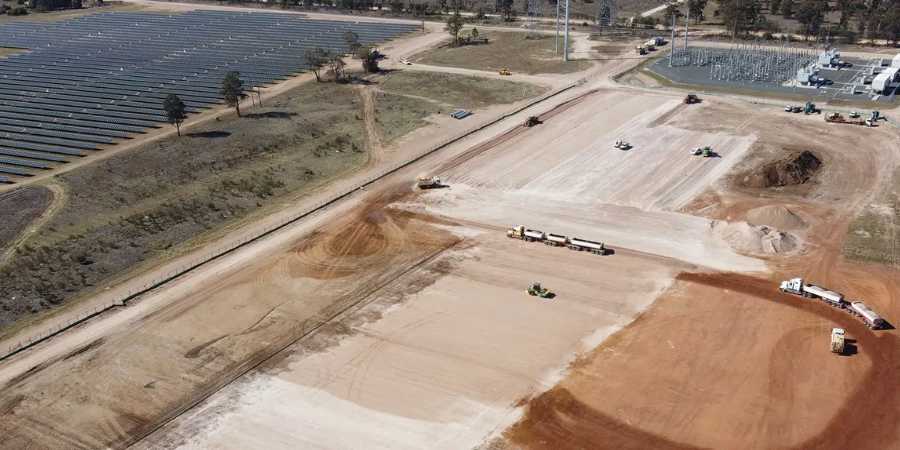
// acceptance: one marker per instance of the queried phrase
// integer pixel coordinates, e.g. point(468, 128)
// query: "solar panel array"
point(91, 81)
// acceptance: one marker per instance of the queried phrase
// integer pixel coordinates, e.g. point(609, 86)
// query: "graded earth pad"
point(438, 359)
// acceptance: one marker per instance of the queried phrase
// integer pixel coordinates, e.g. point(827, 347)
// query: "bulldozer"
point(504, 71)
point(428, 182)
point(537, 290)
point(622, 145)
point(691, 99)
point(532, 121)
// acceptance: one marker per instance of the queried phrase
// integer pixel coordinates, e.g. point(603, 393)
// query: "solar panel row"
point(93, 80)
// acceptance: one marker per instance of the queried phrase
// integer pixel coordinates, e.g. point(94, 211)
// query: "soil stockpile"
point(775, 216)
point(755, 239)
point(794, 170)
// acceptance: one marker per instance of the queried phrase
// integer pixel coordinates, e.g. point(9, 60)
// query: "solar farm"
point(89, 82)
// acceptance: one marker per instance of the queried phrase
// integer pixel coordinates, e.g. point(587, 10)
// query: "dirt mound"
point(794, 170)
point(775, 216)
point(755, 240)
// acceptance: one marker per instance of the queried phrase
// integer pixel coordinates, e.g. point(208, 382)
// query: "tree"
point(352, 41)
point(316, 58)
point(506, 10)
point(810, 14)
point(233, 90)
point(696, 8)
point(739, 16)
point(787, 8)
point(454, 26)
point(774, 6)
point(336, 67)
point(175, 111)
point(369, 57)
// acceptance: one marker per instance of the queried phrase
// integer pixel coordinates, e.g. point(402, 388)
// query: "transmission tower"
point(606, 13)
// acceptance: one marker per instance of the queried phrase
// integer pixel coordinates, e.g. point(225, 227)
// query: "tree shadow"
point(210, 134)
point(271, 115)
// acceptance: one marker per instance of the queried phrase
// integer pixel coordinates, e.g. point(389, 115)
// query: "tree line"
point(867, 19)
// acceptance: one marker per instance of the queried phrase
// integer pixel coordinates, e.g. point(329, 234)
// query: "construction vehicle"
point(691, 99)
point(405, 62)
point(837, 340)
point(853, 115)
point(532, 121)
point(796, 286)
point(641, 50)
point(428, 182)
point(539, 291)
point(793, 109)
point(876, 116)
point(836, 117)
point(557, 240)
point(622, 145)
point(706, 152)
point(810, 108)
point(525, 234)
point(504, 71)
point(584, 245)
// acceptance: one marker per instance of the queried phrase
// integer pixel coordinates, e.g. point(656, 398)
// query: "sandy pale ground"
point(441, 369)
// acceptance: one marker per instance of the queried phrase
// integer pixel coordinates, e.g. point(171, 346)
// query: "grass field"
point(157, 201)
point(874, 236)
point(53, 16)
point(137, 208)
point(458, 91)
point(506, 49)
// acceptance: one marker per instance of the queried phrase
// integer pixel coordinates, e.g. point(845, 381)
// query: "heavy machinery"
point(525, 234)
point(706, 152)
point(532, 121)
point(837, 340)
point(641, 50)
point(853, 115)
point(796, 286)
point(793, 109)
point(504, 71)
point(539, 291)
point(622, 145)
point(836, 117)
point(428, 182)
point(691, 99)
point(557, 240)
point(810, 108)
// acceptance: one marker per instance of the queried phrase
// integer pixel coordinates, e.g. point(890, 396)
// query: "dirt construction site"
point(399, 317)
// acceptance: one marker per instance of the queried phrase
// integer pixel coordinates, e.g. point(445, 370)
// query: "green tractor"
point(705, 152)
point(538, 291)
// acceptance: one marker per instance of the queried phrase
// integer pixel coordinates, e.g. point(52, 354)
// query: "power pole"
point(566, 35)
point(556, 48)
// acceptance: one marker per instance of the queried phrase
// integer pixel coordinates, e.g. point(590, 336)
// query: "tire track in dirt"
point(374, 141)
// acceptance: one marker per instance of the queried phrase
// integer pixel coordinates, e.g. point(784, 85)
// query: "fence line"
point(230, 247)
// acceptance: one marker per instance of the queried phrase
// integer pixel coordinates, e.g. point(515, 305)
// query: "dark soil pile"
point(792, 171)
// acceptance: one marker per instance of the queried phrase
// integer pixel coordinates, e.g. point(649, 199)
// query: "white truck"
point(556, 240)
point(871, 318)
point(798, 287)
point(585, 245)
point(525, 234)
point(837, 340)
